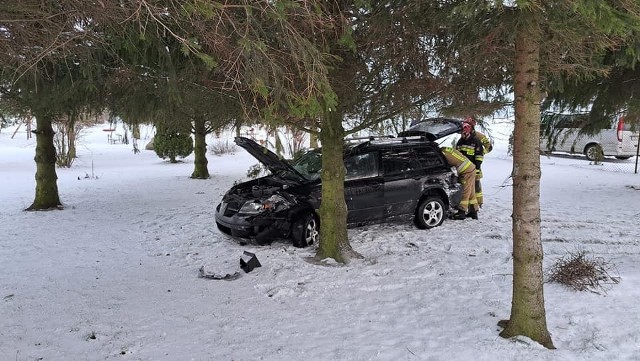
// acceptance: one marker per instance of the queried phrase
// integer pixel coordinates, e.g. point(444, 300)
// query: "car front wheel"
point(306, 231)
point(430, 213)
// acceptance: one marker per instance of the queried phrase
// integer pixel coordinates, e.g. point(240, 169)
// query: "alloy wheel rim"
point(312, 232)
point(432, 214)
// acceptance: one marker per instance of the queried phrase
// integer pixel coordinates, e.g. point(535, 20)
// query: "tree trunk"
point(71, 137)
point(528, 317)
point(200, 170)
point(135, 131)
point(46, 178)
point(334, 241)
point(313, 140)
point(60, 142)
point(29, 122)
point(238, 125)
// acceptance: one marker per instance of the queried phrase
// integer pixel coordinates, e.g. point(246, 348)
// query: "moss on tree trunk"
point(334, 241)
point(46, 178)
point(528, 316)
point(200, 170)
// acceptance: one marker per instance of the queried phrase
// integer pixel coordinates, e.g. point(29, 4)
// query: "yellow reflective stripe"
point(456, 154)
point(469, 150)
point(464, 166)
point(459, 156)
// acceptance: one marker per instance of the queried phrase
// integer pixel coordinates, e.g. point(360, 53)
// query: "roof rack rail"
point(413, 137)
point(368, 138)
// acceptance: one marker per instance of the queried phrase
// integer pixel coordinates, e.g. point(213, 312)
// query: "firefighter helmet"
point(471, 121)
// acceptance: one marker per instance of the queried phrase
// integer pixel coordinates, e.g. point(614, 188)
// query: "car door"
point(403, 176)
point(363, 187)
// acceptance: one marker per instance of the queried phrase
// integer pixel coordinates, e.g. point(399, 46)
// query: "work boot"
point(473, 214)
point(459, 215)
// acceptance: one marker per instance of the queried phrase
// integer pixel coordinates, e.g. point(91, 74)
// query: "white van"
point(561, 133)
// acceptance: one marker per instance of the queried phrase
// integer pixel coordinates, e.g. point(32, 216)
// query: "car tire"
point(430, 212)
point(593, 152)
point(306, 231)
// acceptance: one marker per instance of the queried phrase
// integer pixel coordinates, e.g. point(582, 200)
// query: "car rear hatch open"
point(433, 128)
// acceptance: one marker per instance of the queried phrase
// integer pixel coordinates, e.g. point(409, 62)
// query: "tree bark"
point(71, 137)
point(528, 317)
point(200, 170)
point(313, 140)
point(46, 197)
point(334, 241)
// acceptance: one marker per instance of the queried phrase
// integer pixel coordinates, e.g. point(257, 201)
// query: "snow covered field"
point(114, 276)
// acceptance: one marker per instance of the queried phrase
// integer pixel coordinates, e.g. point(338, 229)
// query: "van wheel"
point(430, 213)
point(306, 231)
point(593, 152)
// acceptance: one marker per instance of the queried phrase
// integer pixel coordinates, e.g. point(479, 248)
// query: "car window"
point(396, 161)
point(309, 165)
point(361, 165)
point(631, 126)
point(429, 157)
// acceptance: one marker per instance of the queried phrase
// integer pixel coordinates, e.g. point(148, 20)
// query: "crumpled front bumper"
point(262, 229)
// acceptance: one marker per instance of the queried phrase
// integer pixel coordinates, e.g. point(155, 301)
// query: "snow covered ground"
point(114, 276)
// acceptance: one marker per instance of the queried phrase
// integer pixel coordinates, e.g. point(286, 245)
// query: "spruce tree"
point(244, 51)
point(168, 143)
point(493, 45)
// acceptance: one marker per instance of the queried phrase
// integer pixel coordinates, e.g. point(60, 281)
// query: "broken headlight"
point(274, 203)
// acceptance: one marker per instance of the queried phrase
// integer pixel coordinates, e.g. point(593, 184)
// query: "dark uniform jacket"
point(473, 149)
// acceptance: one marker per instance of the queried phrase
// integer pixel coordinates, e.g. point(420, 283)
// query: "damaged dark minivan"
point(386, 179)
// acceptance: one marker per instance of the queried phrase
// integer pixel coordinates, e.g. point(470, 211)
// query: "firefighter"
point(467, 176)
point(471, 146)
point(486, 142)
point(488, 147)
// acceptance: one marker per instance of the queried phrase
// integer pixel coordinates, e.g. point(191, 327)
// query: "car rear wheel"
point(593, 152)
point(430, 213)
point(306, 231)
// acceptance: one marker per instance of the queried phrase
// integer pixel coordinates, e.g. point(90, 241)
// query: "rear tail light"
point(620, 129)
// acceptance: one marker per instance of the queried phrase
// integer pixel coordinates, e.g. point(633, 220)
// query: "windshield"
point(309, 164)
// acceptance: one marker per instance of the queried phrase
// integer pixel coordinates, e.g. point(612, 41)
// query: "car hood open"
point(274, 163)
point(433, 128)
